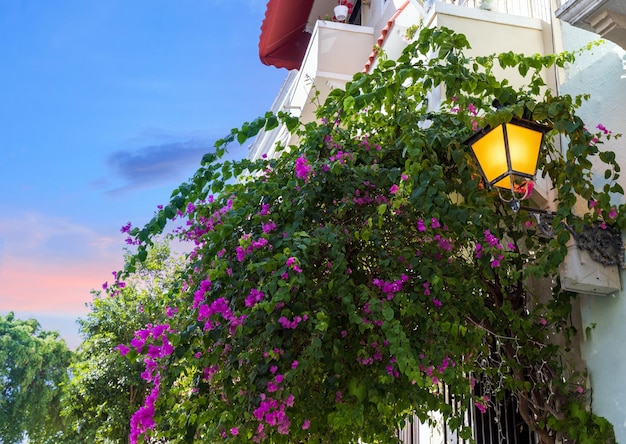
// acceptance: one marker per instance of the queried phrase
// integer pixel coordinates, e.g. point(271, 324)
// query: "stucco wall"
point(491, 32)
point(601, 73)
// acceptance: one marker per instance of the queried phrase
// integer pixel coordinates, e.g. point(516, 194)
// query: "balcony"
point(336, 52)
point(606, 18)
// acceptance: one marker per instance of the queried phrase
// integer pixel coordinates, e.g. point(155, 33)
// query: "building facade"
point(322, 53)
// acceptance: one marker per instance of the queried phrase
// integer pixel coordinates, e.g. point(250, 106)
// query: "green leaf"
point(388, 313)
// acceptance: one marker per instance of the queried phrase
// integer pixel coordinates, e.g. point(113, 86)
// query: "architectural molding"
point(604, 17)
point(575, 12)
point(610, 25)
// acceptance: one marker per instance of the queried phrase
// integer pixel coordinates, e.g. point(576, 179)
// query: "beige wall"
point(493, 33)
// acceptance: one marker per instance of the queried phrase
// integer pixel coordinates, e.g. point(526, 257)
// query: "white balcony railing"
point(539, 9)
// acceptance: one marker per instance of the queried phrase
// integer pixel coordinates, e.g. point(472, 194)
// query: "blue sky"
point(105, 107)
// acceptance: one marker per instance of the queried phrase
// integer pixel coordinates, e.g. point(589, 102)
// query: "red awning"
point(283, 40)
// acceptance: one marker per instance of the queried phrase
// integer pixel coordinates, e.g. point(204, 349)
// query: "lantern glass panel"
point(524, 145)
point(491, 154)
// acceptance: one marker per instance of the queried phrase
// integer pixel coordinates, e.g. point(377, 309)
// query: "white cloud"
point(31, 231)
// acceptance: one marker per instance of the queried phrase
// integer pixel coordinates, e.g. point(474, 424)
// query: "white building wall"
point(601, 73)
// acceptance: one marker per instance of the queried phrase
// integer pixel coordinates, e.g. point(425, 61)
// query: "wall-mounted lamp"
point(508, 155)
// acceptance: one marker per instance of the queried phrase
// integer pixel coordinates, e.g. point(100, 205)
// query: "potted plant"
point(343, 10)
point(486, 5)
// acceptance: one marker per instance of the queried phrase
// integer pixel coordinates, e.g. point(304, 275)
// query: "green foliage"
point(106, 388)
point(33, 367)
point(334, 290)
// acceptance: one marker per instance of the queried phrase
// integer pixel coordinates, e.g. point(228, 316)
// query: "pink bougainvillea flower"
point(268, 227)
point(480, 406)
point(122, 349)
point(171, 311)
point(303, 169)
point(254, 297)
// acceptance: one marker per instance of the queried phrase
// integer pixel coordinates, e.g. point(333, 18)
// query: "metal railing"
point(539, 9)
point(499, 423)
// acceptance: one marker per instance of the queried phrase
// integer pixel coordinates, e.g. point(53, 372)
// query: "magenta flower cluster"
point(143, 419)
point(341, 157)
point(271, 411)
point(364, 197)
point(493, 244)
point(286, 323)
point(241, 252)
point(369, 359)
point(219, 307)
point(195, 232)
point(389, 289)
point(612, 213)
point(292, 263)
point(482, 404)
point(303, 168)
point(115, 288)
point(158, 346)
point(130, 240)
point(435, 373)
point(255, 296)
point(471, 109)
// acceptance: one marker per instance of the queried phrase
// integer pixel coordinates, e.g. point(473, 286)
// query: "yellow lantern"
point(508, 152)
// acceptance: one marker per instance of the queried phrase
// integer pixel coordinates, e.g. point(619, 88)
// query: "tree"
point(106, 389)
point(34, 366)
point(334, 291)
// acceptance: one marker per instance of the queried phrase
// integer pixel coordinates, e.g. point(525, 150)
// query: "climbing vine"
point(366, 276)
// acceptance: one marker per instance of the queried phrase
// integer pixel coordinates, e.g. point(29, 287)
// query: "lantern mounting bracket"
point(602, 241)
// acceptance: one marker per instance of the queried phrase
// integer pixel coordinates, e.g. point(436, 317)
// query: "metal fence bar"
point(499, 424)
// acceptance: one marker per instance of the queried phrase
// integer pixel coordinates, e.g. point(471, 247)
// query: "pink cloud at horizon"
point(51, 263)
point(51, 286)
